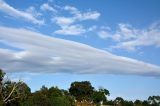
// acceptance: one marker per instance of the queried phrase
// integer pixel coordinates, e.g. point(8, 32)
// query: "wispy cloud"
point(90, 15)
point(63, 21)
point(47, 7)
point(41, 53)
point(129, 38)
point(6, 8)
point(33, 11)
point(69, 25)
point(104, 34)
point(71, 30)
point(92, 28)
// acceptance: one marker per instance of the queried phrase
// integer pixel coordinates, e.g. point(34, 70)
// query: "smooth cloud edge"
point(70, 59)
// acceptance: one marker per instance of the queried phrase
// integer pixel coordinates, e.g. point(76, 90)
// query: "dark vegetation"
point(79, 94)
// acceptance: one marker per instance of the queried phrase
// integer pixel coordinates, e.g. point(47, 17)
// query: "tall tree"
point(1, 87)
point(2, 74)
point(119, 101)
point(37, 99)
point(12, 92)
point(138, 103)
point(154, 100)
point(128, 103)
point(45, 91)
point(100, 95)
point(81, 90)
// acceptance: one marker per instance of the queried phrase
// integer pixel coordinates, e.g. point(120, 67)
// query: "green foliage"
point(49, 97)
point(81, 90)
point(2, 74)
point(12, 93)
point(59, 97)
point(154, 100)
point(19, 94)
point(60, 101)
point(119, 101)
point(44, 91)
point(54, 92)
point(128, 103)
point(110, 102)
point(36, 99)
point(138, 103)
point(145, 103)
point(100, 95)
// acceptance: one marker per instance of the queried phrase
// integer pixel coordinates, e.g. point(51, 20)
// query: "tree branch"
point(14, 87)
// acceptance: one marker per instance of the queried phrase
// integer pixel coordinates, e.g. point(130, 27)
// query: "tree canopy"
point(81, 90)
point(80, 93)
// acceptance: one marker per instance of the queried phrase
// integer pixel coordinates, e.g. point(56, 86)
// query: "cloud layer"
point(41, 53)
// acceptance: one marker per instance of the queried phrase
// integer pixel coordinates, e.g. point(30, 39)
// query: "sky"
point(113, 44)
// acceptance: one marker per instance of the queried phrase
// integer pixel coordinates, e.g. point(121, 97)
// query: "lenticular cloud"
point(27, 51)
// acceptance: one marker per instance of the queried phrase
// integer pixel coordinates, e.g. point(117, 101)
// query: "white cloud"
point(129, 38)
point(32, 10)
point(63, 21)
point(69, 25)
point(104, 34)
point(90, 15)
point(92, 28)
point(72, 10)
point(93, 15)
point(46, 6)
point(71, 30)
point(144, 37)
point(124, 32)
point(19, 14)
point(46, 54)
point(127, 32)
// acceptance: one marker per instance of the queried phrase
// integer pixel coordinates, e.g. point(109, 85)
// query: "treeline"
point(79, 94)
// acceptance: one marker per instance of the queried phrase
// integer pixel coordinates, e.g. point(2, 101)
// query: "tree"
point(119, 101)
point(154, 100)
point(145, 103)
point(55, 96)
point(128, 103)
point(104, 91)
point(109, 102)
point(100, 96)
point(2, 74)
point(60, 101)
point(69, 97)
point(37, 99)
point(54, 92)
point(44, 90)
point(138, 103)
point(12, 92)
point(48, 97)
point(82, 91)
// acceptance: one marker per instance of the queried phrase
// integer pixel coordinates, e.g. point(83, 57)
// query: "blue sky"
point(114, 44)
